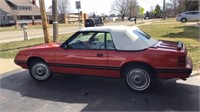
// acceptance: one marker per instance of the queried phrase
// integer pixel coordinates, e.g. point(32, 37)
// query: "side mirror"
point(64, 46)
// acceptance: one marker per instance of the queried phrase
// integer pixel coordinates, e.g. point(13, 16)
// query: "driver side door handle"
point(99, 55)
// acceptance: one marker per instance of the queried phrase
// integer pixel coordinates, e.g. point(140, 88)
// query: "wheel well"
point(184, 18)
point(31, 59)
point(126, 65)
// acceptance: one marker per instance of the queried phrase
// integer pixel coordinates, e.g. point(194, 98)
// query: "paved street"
point(19, 93)
point(8, 36)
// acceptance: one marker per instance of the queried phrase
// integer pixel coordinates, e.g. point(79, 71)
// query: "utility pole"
point(164, 10)
point(55, 20)
point(79, 24)
point(44, 21)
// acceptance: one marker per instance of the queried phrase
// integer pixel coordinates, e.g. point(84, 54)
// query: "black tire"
point(139, 78)
point(183, 20)
point(40, 71)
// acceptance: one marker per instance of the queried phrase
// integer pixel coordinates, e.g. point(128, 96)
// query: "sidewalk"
point(7, 65)
point(196, 24)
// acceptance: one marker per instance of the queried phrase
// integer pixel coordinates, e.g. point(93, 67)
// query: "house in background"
point(19, 11)
point(67, 17)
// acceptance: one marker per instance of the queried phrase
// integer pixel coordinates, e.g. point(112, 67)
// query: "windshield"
point(145, 37)
point(88, 20)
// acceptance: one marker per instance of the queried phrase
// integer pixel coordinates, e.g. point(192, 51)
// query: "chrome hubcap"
point(138, 79)
point(40, 71)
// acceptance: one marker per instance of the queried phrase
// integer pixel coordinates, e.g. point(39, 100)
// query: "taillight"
point(181, 60)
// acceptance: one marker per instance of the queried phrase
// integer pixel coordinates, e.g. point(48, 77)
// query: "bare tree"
point(181, 6)
point(168, 10)
point(121, 7)
point(63, 8)
point(133, 8)
point(192, 5)
point(175, 6)
point(126, 8)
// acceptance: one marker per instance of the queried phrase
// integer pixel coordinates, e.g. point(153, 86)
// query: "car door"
point(85, 54)
point(197, 16)
point(189, 16)
point(114, 58)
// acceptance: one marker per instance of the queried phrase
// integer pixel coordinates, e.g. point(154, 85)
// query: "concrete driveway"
point(69, 93)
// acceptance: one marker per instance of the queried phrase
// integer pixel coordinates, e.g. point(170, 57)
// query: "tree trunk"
point(122, 17)
point(16, 24)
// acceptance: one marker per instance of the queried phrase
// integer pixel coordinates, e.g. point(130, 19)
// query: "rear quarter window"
point(142, 35)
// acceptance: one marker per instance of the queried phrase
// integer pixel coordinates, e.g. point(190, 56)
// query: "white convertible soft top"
point(123, 37)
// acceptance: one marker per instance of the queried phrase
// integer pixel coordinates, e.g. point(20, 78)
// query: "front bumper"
point(23, 64)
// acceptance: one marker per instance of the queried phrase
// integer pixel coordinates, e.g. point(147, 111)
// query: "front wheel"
point(184, 20)
point(40, 71)
point(139, 78)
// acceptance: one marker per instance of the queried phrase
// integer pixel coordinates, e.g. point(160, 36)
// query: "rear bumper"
point(181, 73)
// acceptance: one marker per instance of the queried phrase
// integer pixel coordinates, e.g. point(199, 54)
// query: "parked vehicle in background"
point(146, 18)
point(132, 19)
point(188, 16)
point(111, 51)
point(93, 22)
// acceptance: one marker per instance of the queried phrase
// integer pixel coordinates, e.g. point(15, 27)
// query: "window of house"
point(25, 8)
point(3, 18)
point(37, 17)
point(29, 8)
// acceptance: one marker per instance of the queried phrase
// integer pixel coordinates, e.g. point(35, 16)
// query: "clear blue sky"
point(104, 6)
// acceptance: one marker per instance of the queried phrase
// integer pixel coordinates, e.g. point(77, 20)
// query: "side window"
point(97, 42)
point(196, 13)
point(109, 42)
point(190, 13)
point(88, 40)
point(81, 41)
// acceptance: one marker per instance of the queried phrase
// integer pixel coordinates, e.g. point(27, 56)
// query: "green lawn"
point(162, 30)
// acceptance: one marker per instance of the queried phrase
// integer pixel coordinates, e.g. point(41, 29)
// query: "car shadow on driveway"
point(105, 94)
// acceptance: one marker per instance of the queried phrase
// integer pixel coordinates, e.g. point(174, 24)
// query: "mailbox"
point(24, 26)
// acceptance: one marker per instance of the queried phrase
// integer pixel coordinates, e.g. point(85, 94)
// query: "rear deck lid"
point(170, 45)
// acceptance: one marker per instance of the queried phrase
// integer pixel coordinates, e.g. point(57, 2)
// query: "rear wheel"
point(40, 71)
point(183, 20)
point(139, 78)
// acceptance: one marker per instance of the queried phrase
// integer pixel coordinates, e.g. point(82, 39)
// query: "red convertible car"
point(117, 52)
